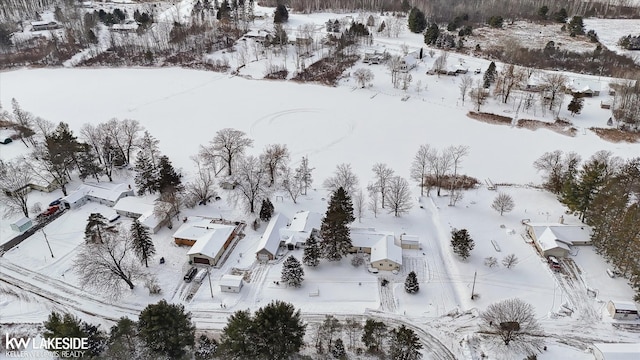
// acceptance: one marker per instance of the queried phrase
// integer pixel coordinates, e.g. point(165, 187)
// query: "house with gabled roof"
point(270, 240)
point(103, 193)
point(386, 252)
point(141, 208)
point(303, 223)
point(557, 239)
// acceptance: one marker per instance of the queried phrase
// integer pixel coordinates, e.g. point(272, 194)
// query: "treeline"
point(479, 11)
point(604, 191)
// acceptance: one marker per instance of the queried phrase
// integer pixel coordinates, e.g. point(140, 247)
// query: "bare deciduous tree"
point(478, 95)
point(490, 261)
point(383, 175)
point(252, 182)
point(200, 190)
point(14, 188)
point(303, 174)
point(291, 184)
point(440, 63)
point(466, 82)
point(107, 266)
point(553, 85)
point(513, 321)
point(275, 159)
point(343, 177)
point(510, 77)
point(510, 261)
point(420, 166)
point(363, 77)
point(439, 165)
point(399, 196)
point(227, 146)
point(359, 204)
point(456, 153)
point(503, 203)
point(374, 200)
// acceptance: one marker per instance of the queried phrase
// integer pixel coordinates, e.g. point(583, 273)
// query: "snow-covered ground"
point(611, 30)
point(331, 125)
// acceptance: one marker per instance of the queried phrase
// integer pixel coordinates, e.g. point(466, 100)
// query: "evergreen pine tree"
point(575, 106)
point(292, 272)
point(373, 334)
point(338, 350)
point(68, 326)
point(405, 344)
point(142, 243)
point(166, 329)
point(145, 178)
point(168, 178)
point(206, 348)
point(417, 21)
point(411, 283)
point(88, 164)
point(123, 340)
point(490, 75)
point(266, 210)
point(336, 240)
point(311, 256)
point(279, 330)
point(569, 191)
point(462, 243)
point(431, 35)
point(239, 340)
point(96, 226)
point(281, 14)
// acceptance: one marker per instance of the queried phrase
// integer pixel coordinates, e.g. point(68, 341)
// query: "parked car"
point(190, 274)
point(200, 276)
point(51, 210)
point(55, 202)
point(372, 270)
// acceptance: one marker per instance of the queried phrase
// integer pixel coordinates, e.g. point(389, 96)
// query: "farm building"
point(557, 239)
point(296, 234)
point(140, 208)
point(385, 253)
point(584, 87)
point(270, 240)
point(604, 351)
point(103, 193)
point(128, 26)
point(622, 310)
point(22, 224)
point(207, 239)
point(231, 283)
point(44, 25)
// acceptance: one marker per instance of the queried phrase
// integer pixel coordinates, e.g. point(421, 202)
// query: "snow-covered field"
point(611, 30)
point(331, 125)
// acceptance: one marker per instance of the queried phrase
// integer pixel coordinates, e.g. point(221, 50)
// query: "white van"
point(200, 275)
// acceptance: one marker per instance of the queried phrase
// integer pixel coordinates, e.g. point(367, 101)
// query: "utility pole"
point(47, 240)
point(209, 277)
point(474, 284)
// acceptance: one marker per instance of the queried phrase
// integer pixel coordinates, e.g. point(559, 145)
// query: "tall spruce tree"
point(411, 285)
point(146, 176)
point(311, 256)
point(292, 272)
point(432, 33)
point(373, 335)
point(279, 330)
point(166, 329)
point(335, 234)
point(462, 243)
point(96, 227)
point(168, 179)
point(266, 210)
point(405, 344)
point(239, 339)
point(338, 351)
point(489, 76)
point(141, 241)
point(417, 21)
point(88, 164)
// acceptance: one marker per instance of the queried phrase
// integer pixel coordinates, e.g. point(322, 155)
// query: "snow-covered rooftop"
point(106, 191)
point(553, 235)
point(625, 305)
point(210, 238)
point(270, 240)
point(231, 280)
point(619, 351)
point(386, 249)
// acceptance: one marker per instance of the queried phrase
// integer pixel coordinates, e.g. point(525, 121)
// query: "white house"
point(622, 310)
point(386, 253)
point(103, 193)
point(231, 283)
point(620, 351)
point(270, 240)
point(140, 208)
point(296, 234)
point(556, 239)
point(208, 240)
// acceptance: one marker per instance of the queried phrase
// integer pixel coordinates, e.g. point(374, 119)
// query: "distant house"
point(22, 224)
point(44, 25)
point(296, 234)
point(557, 239)
point(103, 193)
point(584, 87)
point(386, 254)
point(619, 351)
point(127, 26)
point(141, 208)
point(373, 57)
point(231, 283)
point(261, 36)
point(208, 240)
point(407, 63)
point(622, 310)
point(270, 240)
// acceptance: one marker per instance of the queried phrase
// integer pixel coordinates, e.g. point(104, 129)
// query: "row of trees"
point(604, 191)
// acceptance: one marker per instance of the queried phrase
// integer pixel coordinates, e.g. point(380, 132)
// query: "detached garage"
point(231, 283)
point(210, 243)
point(622, 310)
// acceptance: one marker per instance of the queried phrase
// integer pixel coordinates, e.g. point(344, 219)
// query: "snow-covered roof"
point(270, 240)
point(301, 226)
point(142, 206)
point(21, 221)
point(231, 280)
point(125, 26)
point(365, 237)
point(624, 305)
point(210, 238)
point(583, 85)
point(44, 22)
point(386, 249)
point(619, 351)
point(106, 191)
point(553, 235)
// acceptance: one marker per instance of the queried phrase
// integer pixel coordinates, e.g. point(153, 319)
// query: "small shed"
point(622, 310)
point(22, 224)
point(231, 283)
point(410, 241)
point(624, 351)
